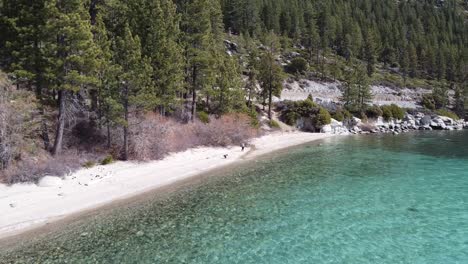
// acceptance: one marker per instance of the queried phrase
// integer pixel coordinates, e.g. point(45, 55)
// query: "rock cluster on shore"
point(418, 121)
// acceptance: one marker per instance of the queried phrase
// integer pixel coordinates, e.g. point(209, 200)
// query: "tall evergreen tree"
point(271, 74)
point(364, 95)
point(75, 53)
point(134, 80)
point(202, 25)
point(370, 52)
point(356, 90)
point(24, 35)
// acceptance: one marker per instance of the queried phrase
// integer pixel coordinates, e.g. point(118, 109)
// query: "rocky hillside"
point(331, 92)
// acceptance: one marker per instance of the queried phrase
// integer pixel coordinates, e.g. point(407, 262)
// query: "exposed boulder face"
point(338, 127)
point(425, 121)
point(231, 47)
point(291, 55)
point(327, 104)
point(295, 90)
point(326, 129)
point(354, 121)
point(447, 120)
point(418, 121)
point(335, 127)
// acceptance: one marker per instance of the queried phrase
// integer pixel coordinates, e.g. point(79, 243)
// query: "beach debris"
point(140, 233)
point(12, 205)
point(84, 234)
point(61, 194)
point(225, 156)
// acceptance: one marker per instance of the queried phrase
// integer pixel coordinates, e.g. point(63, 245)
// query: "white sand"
point(27, 206)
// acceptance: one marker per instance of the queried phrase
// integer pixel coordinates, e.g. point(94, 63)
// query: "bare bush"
point(16, 121)
point(86, 136)
point(155, 136)
point(232, 129)
point(152, 137)
point(33, 169)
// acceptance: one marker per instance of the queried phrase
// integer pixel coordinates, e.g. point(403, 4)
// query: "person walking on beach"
point(243, 146)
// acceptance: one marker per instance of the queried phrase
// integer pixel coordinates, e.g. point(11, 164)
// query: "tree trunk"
point(194, 104)
point(94, 100)
point(44, 130)
point(93, 11)
point(125, 129)
point(108, 136)
point(318, 57)
point(194, 93)
point(39, 96)
point(270, 94)
point(249, 101)
point(125, 147)
point(62, 94)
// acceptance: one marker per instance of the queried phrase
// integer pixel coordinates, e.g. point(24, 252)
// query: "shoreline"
point(28, 207)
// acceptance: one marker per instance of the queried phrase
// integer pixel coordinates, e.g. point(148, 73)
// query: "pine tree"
point(133, 80)
point(24, 37)
point(413, 61)
point(252, 71)
point(441, 62)
point(370, 52)
point(459, 97)
point(364, 95)
point(241, 16)
point(156, 23)
point(75, 56)
point(356, 90)
point(271, 74)
point(312, 40)
point(202, 27)
point(228, 95)
point(349, 93)
point(107, 87)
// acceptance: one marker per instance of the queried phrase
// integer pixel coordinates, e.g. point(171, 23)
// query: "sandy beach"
point(28, 206)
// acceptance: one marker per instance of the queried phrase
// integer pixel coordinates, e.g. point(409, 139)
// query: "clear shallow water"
point(375, 199)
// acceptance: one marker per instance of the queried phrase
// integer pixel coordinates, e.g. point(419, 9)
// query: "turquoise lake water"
point(363, 199)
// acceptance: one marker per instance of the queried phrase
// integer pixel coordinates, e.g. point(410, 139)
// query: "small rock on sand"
point(50, 181)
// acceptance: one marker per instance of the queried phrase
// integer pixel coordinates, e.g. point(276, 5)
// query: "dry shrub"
point(86, 136)
point(22, 156)
point(232, 129)
point(154, 136)
point(33, 169)
point(16, 124)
